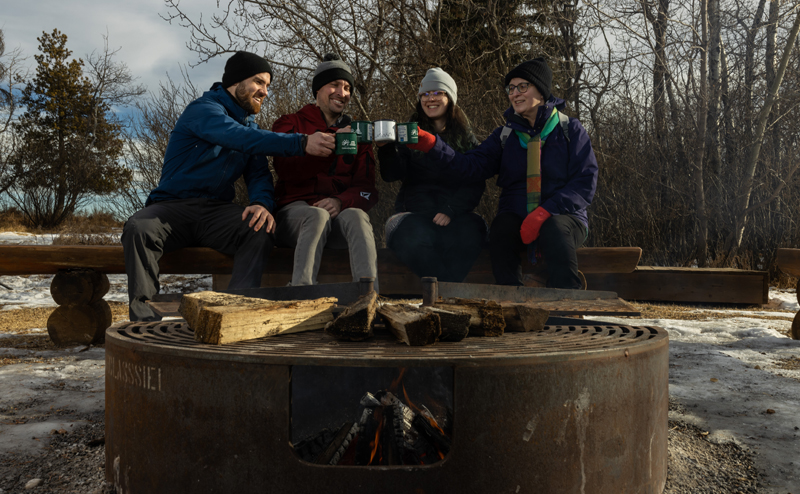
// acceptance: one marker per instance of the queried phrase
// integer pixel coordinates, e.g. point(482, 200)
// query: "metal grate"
point(317, 348)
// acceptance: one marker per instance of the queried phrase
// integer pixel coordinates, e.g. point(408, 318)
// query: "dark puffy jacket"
point(569, 170)
point(214, 142)
point(312, 178)
point(427, 189)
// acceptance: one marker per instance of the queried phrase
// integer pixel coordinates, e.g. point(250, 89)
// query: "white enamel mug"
point(385, 130)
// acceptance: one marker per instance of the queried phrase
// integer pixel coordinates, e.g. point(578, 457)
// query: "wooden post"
point(430, 291)
point(82, 316)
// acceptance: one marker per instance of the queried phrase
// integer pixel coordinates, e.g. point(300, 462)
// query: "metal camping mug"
point(346, 143)
point(364, 130)
point(408, 133)
point(384, 130)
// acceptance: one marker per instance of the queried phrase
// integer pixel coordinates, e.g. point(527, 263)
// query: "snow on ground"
point(733, 375)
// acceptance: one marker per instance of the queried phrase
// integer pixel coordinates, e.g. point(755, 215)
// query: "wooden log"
point(192, 303)
point(412, 325)
point(671, 284)
point(78, 286)
point(355, 322)
point(486, 316)
point(523, 318)
point(327, 455)
point(789, 261)
point(455, 324)
point(218, 325)
point(79, 324)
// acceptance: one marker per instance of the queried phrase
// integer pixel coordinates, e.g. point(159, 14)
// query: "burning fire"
point(388, 431)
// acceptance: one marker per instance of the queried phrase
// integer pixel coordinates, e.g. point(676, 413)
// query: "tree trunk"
point(701, 234)
point(746, 189)
point(714, 86)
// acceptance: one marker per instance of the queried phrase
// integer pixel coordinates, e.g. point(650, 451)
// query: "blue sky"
point(150, 46)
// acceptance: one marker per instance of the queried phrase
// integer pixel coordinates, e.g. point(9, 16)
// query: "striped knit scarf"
point(534, 173)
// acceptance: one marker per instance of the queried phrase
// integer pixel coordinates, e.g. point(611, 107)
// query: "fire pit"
point(575, 408)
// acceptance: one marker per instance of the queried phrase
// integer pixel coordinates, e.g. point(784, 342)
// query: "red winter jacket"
point(311, 178)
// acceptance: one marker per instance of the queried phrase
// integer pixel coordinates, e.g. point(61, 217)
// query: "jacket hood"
point(224, 98)
point(520, 123)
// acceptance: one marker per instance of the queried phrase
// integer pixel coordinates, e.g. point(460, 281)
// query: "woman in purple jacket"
point(548, 174)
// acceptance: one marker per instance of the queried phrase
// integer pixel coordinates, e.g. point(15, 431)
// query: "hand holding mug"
point(320, 144)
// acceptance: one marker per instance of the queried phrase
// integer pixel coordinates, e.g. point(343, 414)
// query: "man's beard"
point(246, 101)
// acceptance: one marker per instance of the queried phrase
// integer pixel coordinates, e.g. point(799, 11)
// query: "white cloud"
point(150, 46)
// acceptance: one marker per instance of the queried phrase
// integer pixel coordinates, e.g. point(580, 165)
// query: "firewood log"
point(486, 316)
point(192, 303)
point(355, 322)
point(455, 324)
point(411, 325)
point(222, 318)
point(523, 318)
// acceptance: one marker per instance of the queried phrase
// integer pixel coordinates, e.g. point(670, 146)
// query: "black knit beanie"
point(243, 65)
point(331, 69)
point(536, 72)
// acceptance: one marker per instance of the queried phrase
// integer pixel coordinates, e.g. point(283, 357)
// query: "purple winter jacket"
point(569, 170)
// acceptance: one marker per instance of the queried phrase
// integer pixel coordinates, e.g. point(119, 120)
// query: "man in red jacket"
point(322, 202)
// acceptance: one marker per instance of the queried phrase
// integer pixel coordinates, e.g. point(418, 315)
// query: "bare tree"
point(12, 74)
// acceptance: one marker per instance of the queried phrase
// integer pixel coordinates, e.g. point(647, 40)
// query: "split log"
point(78, 286)
point(355, 322)
point(192, 303)
point(326, 456)
point(455, 324)
point(411, 325)
point(219, 318)
point(229, 324)
point(523, 318)
point(79, 324)
point(486, 316)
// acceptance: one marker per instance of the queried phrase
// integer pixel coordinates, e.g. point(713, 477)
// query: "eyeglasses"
point(434, 94)
point(522, 87)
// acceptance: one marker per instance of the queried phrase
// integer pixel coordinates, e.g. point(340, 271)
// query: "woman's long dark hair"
point(457, 129)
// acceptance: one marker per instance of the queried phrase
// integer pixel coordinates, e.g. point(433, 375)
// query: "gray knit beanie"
point(332, 68)
point(437, 79)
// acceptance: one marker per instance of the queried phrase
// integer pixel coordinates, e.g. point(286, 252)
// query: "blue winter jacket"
point(214, 142)
point(569, 170)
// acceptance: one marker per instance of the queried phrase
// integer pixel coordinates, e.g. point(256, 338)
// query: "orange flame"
point(377, 441)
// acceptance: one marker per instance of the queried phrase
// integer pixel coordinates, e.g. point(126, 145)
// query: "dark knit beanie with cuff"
point(535, 71)
point(331, 69)
point(243, 65)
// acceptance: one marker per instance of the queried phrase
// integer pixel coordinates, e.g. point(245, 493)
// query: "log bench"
point(789, 262)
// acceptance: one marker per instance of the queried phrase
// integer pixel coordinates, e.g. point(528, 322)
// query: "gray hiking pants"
point(310, 229)
point(171, 225)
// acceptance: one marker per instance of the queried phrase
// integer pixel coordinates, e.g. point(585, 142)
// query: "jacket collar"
point(520, 123)
point(313, 115)
point(223, 97)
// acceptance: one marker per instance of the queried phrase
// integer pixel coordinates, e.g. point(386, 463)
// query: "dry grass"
point(12, 220)
point(23, 321)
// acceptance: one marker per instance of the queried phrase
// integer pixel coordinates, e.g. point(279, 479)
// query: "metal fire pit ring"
point(569, 409)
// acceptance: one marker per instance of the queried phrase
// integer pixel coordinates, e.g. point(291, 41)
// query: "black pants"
point(446, 252)
point(171, 225)
point(558, 241)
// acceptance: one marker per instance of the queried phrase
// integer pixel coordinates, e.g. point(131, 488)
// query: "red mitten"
point(530, 227)
point(426, 140)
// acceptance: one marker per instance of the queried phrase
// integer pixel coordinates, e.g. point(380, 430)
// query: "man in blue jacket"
point(215, 141)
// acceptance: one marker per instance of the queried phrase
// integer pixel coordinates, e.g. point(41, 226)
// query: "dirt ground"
point(73, 461)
